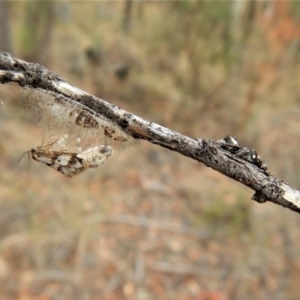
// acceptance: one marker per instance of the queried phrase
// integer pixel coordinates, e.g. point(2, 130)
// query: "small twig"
point(154, 225)
point(180, 269)
point(209, 152)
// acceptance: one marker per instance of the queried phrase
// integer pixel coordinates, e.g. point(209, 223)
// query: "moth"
point(71, 164)
point(84, 119)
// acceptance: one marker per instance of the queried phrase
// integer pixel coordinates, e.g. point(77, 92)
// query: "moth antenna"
point(22, 155)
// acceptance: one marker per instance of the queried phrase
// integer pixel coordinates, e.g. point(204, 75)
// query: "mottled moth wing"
point(71, 164)
point(68, 164)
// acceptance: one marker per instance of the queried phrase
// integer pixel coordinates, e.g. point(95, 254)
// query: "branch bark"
point(214, 154)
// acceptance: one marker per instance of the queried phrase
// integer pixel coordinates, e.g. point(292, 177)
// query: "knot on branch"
point(270, 191)
point(33, 74)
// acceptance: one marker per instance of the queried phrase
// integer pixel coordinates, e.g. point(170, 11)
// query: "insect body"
point(71, 164)
point(84, 119)
point(114, 135)
point(231, 145)
point(96, 156)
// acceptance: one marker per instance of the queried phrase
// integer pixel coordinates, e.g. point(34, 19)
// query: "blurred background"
point(153, 224)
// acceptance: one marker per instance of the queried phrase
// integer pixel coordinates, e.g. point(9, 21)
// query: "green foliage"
point(294, 9)
point(35, 30)
point(225, 218)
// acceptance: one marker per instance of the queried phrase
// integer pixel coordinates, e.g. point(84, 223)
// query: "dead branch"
point(225, 156)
